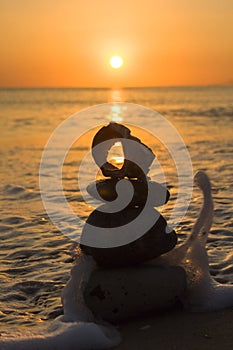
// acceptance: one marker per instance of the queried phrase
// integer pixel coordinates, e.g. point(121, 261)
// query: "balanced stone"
point(119, 294)
point(149, 245)
point(137, 156)
point(106, 190)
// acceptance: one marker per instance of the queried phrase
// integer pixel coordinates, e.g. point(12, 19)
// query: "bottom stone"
point(119, 294)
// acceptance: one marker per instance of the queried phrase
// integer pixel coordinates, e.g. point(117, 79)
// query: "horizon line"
point(114, 88)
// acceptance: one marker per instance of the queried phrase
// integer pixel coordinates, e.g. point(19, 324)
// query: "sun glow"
point(116, 62)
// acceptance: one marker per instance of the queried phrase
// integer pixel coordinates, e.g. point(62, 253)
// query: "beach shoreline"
point(36, 258)
point(178, 329)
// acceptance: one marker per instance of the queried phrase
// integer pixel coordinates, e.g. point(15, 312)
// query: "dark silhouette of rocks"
point(146, 195)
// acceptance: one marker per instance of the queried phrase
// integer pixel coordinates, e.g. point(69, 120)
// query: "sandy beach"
point(179, 330)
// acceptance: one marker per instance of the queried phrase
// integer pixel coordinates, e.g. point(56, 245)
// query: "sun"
point(116, 62)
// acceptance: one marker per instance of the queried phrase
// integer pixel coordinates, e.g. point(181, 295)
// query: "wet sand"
point(179, 330)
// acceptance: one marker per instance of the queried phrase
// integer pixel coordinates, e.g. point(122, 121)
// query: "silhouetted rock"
point(128, 194)
point(106, 190)
point(151, 244)
point(137, 156)
point(119, 294)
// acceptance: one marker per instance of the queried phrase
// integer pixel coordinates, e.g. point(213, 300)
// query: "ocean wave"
point(13, 189)
point(14, 220)
point(225, 111)
point(5, 228)
point(19, 192)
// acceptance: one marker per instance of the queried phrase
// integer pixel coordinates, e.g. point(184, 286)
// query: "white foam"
point(68, 335)
point(77, 329)
point(203, 292)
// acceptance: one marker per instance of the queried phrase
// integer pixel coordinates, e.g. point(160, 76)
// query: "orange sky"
point(69, 42)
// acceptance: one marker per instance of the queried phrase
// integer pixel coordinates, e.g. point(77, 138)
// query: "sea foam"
point(77, 329)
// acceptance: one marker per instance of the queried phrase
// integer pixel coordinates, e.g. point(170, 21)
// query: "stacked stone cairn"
point(126, 284)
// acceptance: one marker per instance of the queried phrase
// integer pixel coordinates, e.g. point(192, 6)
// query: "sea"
point(36, 256)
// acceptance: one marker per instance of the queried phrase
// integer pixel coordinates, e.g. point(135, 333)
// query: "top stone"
point(137, 156)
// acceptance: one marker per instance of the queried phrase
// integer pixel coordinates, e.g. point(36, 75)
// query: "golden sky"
point(69, 42)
